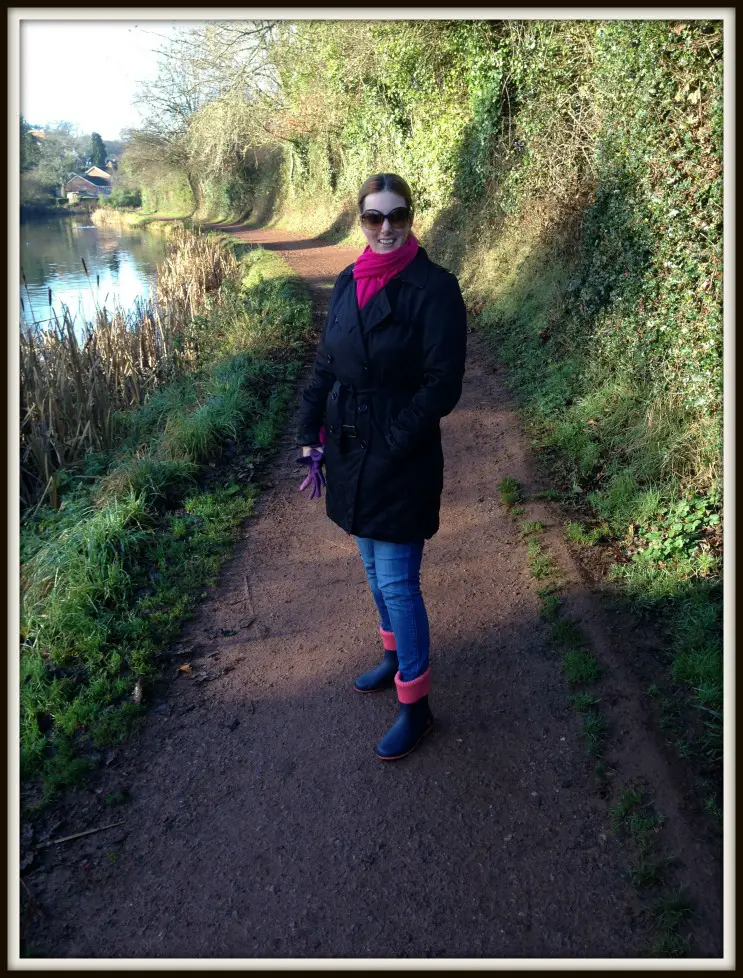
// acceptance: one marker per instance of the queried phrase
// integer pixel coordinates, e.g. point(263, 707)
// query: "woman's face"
point(385, 238)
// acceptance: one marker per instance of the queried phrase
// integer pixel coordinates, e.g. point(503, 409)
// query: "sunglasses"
point(398, 218)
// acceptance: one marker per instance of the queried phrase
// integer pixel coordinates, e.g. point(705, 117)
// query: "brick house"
point(89, 185)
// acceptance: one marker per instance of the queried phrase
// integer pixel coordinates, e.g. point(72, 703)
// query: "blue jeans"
point(393, 572)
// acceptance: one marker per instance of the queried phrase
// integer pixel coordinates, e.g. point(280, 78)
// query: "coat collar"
point(416, 273)
point(378, 308)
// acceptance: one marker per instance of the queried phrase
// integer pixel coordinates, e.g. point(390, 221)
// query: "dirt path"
point(262, 825)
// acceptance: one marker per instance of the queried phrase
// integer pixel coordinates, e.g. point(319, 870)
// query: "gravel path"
point(261, 825)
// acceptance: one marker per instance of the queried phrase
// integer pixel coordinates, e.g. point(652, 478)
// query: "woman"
point(389, 366)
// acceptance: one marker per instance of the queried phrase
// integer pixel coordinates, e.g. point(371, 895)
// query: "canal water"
point(121, 267)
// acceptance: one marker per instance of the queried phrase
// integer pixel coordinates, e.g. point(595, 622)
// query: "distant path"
point(261, 823)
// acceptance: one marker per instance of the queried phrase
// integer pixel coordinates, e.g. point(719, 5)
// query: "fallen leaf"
point(185, 668)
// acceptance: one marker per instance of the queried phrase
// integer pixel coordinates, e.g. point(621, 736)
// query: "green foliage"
point(123, 197)
point(97, 152)
point(679, 529)
point(30, 153)
point(169, 193)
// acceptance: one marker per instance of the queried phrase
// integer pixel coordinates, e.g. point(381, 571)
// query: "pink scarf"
point(373, 271)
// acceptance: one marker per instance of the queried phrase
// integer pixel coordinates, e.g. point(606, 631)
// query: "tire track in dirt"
point(282, 835)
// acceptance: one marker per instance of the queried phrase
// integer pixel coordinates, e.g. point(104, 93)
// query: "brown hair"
point(385, 181)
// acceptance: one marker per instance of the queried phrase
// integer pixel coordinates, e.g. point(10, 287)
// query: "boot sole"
point(397, 757)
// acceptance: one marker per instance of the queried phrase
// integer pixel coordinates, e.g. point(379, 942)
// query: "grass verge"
point(640, 468)
point(109, 577)
point(667, 909)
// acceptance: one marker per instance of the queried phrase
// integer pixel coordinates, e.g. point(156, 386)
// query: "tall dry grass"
point(73, 380)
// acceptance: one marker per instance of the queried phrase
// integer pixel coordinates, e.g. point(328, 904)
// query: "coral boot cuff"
point(388, 640)
point(415, 689)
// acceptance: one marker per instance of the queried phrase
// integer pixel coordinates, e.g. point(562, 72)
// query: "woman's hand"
point(312, 457)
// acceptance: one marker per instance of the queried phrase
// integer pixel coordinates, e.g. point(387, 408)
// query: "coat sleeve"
point(312, 403)
point(444, 329)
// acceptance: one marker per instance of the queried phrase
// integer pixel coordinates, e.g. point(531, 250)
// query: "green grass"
point(650, 872)
point(510, 491)
point(531, 528)
point(629, 800)
point(541, 563)
point(566, 632)
point(642, 470)
point(669, 914)
point(580, 667)
point(633, 814)
point(577, 533)
point(550, 606)
point(552, 495)
point(595, 731)
point(583, 701)
point(109, 578)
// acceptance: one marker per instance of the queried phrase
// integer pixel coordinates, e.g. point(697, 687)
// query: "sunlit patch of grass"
point(510, 491)
point(577, 533)
point(541, 563)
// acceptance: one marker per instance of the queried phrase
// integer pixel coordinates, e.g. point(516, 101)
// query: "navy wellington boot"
point(413, 721)
point(383, 675)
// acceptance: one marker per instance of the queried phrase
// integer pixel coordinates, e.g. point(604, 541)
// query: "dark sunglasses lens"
point(372, 219)
point(398, 218)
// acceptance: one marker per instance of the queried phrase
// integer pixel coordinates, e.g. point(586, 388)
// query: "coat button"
point(363, 408)
point(366, 366)
point(331, 429)
point(363, 444)
point(334, 395)
point(331, 358)
point(335, 321)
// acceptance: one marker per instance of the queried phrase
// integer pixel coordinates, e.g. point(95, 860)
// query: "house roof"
point(93, 181)
point(97, 171)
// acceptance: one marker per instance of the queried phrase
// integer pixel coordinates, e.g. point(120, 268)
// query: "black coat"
point(382, 379)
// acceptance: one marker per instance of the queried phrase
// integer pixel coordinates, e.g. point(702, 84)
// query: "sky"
point(86, 72)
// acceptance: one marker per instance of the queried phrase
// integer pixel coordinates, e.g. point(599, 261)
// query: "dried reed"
point(73, 381)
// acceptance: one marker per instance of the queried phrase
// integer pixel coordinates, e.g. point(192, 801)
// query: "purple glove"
point(315, 479)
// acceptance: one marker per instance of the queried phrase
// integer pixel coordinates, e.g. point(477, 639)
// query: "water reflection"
point(121, 267)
